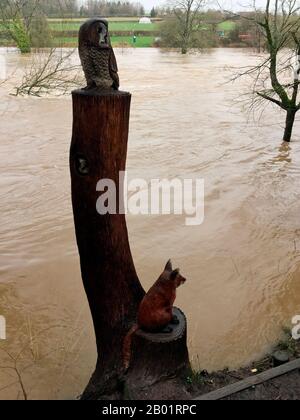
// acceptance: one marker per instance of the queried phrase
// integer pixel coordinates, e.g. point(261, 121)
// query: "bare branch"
point(269, 98)
point(272, 77)
point(50, 73)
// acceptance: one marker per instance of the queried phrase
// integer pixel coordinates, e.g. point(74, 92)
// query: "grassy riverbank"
point(64, 32)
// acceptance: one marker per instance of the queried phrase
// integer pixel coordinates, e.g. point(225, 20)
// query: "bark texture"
point(99, 151)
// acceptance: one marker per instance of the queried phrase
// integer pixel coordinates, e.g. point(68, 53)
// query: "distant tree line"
point(70, 8)
point(59, 8)
point(111, 8)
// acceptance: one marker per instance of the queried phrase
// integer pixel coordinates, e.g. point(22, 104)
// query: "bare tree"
point(277, 77)
point(188, 19)
point(50, 72)
point(16, 17)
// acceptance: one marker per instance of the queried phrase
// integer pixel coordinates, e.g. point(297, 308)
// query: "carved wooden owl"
point(97, 55)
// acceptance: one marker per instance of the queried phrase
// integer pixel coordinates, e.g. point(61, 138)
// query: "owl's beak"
point(103, 38)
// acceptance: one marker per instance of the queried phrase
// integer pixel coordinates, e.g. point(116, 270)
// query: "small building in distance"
point(246, 37)
point(145, 20)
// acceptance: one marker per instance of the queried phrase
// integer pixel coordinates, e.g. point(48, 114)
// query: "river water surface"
point(242, 263)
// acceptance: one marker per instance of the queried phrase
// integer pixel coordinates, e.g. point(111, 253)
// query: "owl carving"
point(97, 56)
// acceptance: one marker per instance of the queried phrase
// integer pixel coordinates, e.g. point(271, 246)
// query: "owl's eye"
point(82, 165)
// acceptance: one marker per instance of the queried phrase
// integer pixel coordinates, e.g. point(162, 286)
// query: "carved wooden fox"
point(155, 313)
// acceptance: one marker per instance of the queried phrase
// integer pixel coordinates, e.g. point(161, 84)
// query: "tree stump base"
point(158, 362)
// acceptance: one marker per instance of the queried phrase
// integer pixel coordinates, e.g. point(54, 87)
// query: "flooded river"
point(242, 263)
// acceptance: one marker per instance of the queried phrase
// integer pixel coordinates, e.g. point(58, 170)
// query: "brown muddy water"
point(242, 263)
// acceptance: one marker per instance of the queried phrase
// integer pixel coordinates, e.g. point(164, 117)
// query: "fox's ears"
point(169, 266)
point(175, 273)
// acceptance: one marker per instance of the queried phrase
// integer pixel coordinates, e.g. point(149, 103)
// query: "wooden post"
point(99, 151)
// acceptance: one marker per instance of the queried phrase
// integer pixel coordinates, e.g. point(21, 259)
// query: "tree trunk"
point(185, 44)
point(98, 151)
point(289, 124)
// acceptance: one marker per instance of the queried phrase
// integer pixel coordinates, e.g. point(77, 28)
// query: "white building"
point(145, 20)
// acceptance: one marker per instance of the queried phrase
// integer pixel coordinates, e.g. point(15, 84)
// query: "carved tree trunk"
point(99, 151)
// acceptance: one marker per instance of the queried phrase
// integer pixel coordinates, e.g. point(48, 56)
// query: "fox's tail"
point(127, 346)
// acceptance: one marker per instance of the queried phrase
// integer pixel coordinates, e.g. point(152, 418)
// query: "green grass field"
point(117, 41)
point(227, 26)
point(142, 41)
point(109, 19)
point(120, 27)
point(113, 26)
point(125, 25)
point(129, 25)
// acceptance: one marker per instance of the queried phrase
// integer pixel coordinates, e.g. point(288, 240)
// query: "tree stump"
point(157, 359)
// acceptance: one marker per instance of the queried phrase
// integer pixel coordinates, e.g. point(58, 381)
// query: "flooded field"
point(242, 263)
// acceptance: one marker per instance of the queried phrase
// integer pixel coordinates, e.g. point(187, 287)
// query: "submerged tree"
point(183, 28)
point(51, 72)
point(16, 17)
point(277, 77)
point(26, 23)
point(13, 24)
point(40, 32)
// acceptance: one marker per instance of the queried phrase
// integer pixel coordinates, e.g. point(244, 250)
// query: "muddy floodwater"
point(242, 263)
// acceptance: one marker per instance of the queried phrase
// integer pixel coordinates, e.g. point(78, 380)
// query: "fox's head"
point(174, 275)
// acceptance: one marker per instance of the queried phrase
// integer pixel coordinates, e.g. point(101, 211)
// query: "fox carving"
point(155, 313)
